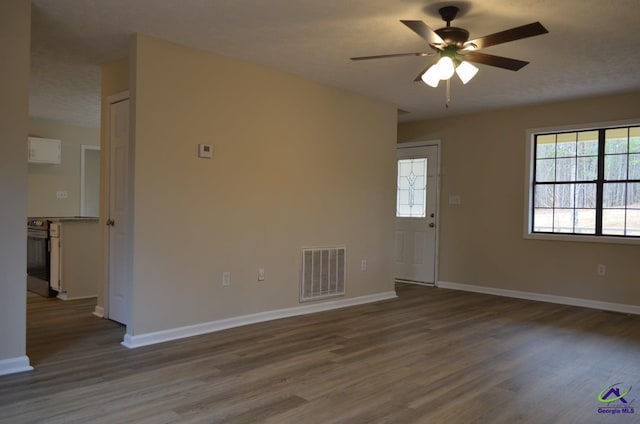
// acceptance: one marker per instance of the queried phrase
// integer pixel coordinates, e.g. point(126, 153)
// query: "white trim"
point(213, 326)
point(98, 311)
point(65, 297)
point(541, 297)
point(118, 97)
point(418, 283)
point(15, 365)
point(422, 143)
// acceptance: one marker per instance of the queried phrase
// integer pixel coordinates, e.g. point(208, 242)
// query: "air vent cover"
point(323, 272)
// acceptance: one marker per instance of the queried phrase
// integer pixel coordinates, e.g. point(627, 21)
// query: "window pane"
point(586, 196)
point(566, 169)
point(411, 197)
point(588, 143)
point(545, 170)
point(634, 167)
point(615, 167)
point(563, 220)
point(613, 221)
point(404, 167)
point(567, 186)
point(563, 197)
point(616, 140)
point(566, 145)
point(633, 222)
point(403, 197)
point(633, 195)
point(634, 140)
point(543, 196)
point(543, 220)
point(587, 169)
point(546, 146)
point(614, 195)
point(585, 221)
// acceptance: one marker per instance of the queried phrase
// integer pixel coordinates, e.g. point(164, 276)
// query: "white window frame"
point(528, 184)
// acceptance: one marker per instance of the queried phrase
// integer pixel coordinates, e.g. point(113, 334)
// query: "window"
point(586, 182)
point(411, 198)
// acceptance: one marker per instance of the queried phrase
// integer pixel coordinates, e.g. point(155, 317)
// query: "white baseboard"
point(213, 326)
point(15, 365)
point(98, 311)
point(541, 297)
point(65, 296)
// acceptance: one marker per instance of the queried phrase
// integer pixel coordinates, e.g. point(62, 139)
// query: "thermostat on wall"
point(204, 150)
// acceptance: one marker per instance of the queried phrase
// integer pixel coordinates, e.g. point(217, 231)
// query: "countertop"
point(66, 218)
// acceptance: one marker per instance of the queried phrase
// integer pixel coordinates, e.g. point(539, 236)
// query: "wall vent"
point(323, 272)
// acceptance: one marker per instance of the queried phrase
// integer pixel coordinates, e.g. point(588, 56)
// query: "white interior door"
point(119, 264)
point(416, 212)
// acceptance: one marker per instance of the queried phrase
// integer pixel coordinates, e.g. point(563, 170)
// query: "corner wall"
point(481, 240)
point(15, 23)
point(294, 164)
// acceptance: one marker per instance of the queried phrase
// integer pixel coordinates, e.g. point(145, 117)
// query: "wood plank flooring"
point(430, 356)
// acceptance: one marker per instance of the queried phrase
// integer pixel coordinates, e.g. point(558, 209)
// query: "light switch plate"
point(205, 151)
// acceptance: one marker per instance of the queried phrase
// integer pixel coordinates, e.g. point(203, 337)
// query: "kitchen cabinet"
point(44, 150)
point(78, 256)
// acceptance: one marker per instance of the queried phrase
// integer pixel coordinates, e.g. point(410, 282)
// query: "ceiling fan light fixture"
point(446, 68)
point(431, 77)
point(466, 71)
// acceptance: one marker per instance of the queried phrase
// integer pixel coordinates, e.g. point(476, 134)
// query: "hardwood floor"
point(430, 356)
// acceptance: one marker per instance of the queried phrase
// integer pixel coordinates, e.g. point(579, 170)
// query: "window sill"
point(586, 238)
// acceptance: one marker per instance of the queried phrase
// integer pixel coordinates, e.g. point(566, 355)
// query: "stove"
point(39, 257)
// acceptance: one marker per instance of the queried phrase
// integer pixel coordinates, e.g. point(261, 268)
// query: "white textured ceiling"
point(592, 47)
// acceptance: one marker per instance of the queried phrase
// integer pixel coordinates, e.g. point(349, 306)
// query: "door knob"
point(110, 222)
point(431, 225)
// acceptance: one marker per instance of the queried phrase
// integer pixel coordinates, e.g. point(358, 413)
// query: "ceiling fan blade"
point(425, 32)
point(518, 33)
point(497, 61)
point(384, 56)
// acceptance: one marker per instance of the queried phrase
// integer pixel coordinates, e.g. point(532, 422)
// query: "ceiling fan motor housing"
point(453, 36)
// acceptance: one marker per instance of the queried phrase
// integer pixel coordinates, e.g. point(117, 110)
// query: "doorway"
point(117, 252)
point(416, 229)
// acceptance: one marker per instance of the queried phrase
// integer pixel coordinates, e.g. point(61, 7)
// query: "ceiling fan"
point(454, 50)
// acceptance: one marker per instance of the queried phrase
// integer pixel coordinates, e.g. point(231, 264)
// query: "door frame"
point(106, 199)
point(438, 144)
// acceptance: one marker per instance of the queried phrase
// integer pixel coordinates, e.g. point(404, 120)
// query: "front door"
point(416, 211)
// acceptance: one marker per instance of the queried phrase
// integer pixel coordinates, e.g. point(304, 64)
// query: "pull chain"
point(448, 93)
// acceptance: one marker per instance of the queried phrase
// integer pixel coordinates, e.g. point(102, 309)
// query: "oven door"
point(38, 264)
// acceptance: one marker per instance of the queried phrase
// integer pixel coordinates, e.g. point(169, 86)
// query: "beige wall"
point(91, 188)
point(294, 164)
point(481, 240)
point(14, 57)
point(45, 179)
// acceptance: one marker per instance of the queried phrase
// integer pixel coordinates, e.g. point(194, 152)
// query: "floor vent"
point(323, 273)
